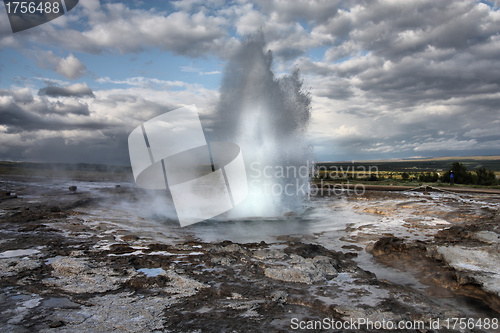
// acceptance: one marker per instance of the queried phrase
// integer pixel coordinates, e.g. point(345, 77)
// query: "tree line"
point(461, 175)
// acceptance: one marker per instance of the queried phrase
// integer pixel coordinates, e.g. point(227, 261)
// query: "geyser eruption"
point(267, 117)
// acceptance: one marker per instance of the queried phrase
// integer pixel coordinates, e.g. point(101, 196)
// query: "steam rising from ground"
point(267, 117)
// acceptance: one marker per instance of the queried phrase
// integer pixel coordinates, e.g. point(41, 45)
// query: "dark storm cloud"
point(289, 53)
point(398, 78)
point(399, 28)
point(424, 76)
point(76, 109)
point(75, 90)
point(338, 90)
point(55, 150)
point(19, 96)
point(69, 129)
point(315, 11)
point(18, 119)
point(20, 112)
point(416, 79)
point(429, 49)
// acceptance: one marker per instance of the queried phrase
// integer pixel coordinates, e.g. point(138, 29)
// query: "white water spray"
point(267, 117)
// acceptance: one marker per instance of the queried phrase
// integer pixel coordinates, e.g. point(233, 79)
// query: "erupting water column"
point(267, 117)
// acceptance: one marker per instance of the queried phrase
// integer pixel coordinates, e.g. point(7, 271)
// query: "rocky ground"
point(62, 271)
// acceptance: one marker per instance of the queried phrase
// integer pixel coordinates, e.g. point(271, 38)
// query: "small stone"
point(129, 238)
point(488, 237)
point(279, 296)
point(269, 254)
point(56, 323)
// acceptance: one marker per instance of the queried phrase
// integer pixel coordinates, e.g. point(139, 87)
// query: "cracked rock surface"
point(65, 266)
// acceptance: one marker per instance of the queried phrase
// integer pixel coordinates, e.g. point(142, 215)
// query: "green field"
point(425, 164)
point(390, 171)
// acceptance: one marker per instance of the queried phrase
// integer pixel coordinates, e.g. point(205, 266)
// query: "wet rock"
point(246, 307)
point(77, 253)
point(456, 233)
point(303, 270)
point(78, 275)
point(70, 266)
point(324, 265)
point(469, 269)
point(269, 254)
point(223, 286)
point(55, 209)
point(236, 296)
point(293, 275)
point(129, 238)
point(35, 227)
point(60, 302)
point(481, 264)
point(225, 261)
point(352, 247)
point(122, 312)
point(17, 308)
point(230, 247)
point(56, 324)
point(72, 188)
point(279, 296)
point(7, 195)
point(296, 259)
point(183, 285)
point(376, 211)
point(307, 250)
point(158, 247)
point(488, 237)
point(120, 249)
point(14, 266)
point(387, 245)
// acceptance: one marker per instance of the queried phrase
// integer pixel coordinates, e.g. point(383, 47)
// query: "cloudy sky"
point(388, 79)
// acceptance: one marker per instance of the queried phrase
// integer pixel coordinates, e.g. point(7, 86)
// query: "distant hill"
point(423, 164)
point(76, 171)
